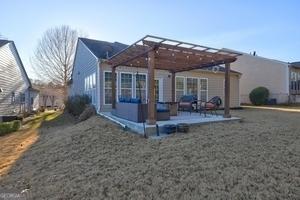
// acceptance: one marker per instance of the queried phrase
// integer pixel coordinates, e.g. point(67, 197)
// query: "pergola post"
point(227, 91)
point(151, 93)
point(173, 75)
point(113, 87)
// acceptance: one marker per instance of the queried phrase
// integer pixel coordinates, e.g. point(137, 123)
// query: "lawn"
point(258, 158)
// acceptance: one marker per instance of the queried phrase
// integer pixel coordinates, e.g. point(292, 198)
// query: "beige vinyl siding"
point(258, 71)
point(215, 83)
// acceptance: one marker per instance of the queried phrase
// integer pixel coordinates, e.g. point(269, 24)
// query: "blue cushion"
point(135, 100)
point(122, 99)
point(162, 110)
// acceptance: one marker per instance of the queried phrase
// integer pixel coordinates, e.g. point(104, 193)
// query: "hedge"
point(76, 104)
point(8, 127)
point(259, 96)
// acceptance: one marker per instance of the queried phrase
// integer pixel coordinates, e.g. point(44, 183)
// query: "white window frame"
point(198, 85)
point(132, 81)
point(107, 71)
point(160, 87)
point(135, 88)
point(184, 85)
point(199, 82)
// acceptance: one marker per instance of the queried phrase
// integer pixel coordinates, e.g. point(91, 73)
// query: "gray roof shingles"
point(103, 49)
point(4, 42)
point(296, 64)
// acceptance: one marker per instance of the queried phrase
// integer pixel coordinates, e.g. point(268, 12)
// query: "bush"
point(8, 127)
point(259, 96)
point(76, 104)
point(87, 113)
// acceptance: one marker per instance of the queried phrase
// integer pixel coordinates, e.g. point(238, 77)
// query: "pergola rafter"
point(154, 52)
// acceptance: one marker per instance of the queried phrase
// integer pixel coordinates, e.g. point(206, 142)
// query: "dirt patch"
point(95, 159)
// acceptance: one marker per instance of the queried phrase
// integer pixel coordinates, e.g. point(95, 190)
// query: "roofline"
point(30, 85)
point(248, 54)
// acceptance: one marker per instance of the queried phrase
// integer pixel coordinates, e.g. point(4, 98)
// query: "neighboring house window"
point(179, 87)
point(203, 89)
point(192, 86)
point(13, 98)
point(141, 86)
point(126, 85)
point(22, 98)
point(90, 87)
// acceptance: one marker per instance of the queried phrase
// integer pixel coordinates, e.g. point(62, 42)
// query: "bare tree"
point(54, 55)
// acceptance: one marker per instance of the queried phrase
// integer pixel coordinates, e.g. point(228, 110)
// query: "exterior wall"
point(295, 94)
point(34, 100)
point(85, 64)
point(215, 83)
point(12, 79)
point(258, 71)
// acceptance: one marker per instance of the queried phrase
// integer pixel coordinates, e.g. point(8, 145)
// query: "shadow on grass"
point(14, 145)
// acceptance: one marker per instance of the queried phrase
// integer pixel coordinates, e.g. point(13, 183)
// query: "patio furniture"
point(172, 106)
point(187, 102)
point(169, 128)
point(133, 110)
point(212, 105)
point(183, 127)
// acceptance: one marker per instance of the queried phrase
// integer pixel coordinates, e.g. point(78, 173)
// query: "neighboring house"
point(92, 77)
point(15, 86)
point(50, 96)
point(276, 76)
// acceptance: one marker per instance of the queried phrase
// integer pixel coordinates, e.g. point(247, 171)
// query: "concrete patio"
point(182, 117)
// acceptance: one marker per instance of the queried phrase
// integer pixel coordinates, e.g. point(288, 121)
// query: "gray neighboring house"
point(16, 93)
point(93, 77)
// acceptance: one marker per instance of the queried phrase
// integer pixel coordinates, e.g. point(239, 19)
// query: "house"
point(280, 78)
point(50, 96)
point(92, 75)
point(15, 86)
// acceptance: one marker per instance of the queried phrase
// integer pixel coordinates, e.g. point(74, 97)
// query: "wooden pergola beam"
point(151, 120)
point(227, 91)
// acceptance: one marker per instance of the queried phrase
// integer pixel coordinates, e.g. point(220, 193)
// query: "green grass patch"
point(8, 127)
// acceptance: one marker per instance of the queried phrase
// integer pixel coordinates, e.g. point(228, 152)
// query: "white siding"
point(12, 79)
point(85, 64)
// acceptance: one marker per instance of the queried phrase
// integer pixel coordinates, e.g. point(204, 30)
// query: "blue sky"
point(271, 28)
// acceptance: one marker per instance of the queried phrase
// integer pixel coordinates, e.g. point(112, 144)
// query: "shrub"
point(87, 113)
point(259, 96)
point(8, 127)
point(76, 104)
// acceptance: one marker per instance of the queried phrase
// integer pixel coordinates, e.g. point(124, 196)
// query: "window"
point(203, 89)
point(192, 86)
point(90, 87)
point(126, 85)
point(141, 86)
point(22, 98)
point(156, 87)
point(107, 88)
point(179, 87)
point(13, 98)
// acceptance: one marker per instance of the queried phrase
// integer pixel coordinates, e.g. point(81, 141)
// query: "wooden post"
point(151, 93)
point(173, 86)
point(113, 87)
point(227, 91)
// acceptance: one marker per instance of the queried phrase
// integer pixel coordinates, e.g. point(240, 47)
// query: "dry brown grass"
point(256, 159)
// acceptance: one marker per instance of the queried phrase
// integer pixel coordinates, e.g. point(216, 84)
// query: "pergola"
point(153, 52)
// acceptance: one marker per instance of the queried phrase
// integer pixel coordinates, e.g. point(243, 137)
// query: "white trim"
point(104, 86)
point(184, 86)
point(160, 88)
point(120, 82)
point(203, 90)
